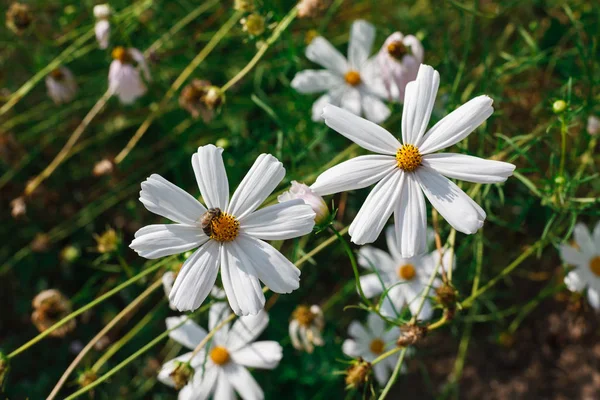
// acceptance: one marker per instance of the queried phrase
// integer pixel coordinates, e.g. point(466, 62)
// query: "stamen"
point(397, 50)
point(377, 346)
point(119, 53)
point(224, 228)
point(408, 157)
point(352, 78)
point(219, 355)
point(407, 272)
point(595, 265)
point(303, 315)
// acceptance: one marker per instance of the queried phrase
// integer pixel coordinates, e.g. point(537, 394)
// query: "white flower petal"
point(418, 104)
point(323, 53)
point(594, 298)
point(376, 324)
point(243, 382)
point(457, 125)
point(265, 355)
point(246, 329)
point(318, 105)
point(357, 173)
point(240, 281)
point(393, 302)
point(163, 198)
point(351, 348)
point(570, 255)
point(461, 212)
point(584, 240)
point(469, 168)
point(282, 221)
point(358, 332)
point(376, 210)
point(315, 81)
point(257, 185)
point(196, 278)
point(365, 133)
point(375, 110)
point(426, 311)
point(164, 375)
point(102, 31)
point(203, 385)
point(371, 257)
point(223, 389)
point(381, 372)
point(155, 241)
point(211, 176)
point(189, 334)
point(139, 58)
point(362, 35)
point(371, 285)
point(596, 235)
point(392, 242)
point(350, 101)
point(410, 217)
point(217, 313)
point(575, 282)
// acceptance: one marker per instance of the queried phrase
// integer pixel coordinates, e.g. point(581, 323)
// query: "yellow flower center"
point(397, 50)
point(219, 355)
point(377, 346)
point(57, 74)
point(408, 157)
point(407, 272)
point(303, 315)
point(224, 228)
point(119, 53)
point(595, 265)
point(352, 78)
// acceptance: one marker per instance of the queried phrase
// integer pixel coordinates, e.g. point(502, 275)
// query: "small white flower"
point(406, 278)
point(372, 341)
point(593, 125)
point(221, 369)
point(306, 194)
point(403, 172)
point(586, 259)
point(124, 78)
point(61, 85)
point(102, 27)
point(305, 328)
point(353, 84)
point(232, 237)
point(399, 60)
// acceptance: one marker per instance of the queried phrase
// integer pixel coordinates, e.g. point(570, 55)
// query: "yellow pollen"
point(119, 53)
point(219, 355)
point(377, 346)
point(407, 272)
point(303, 315)
point(352, 78)
point(397, 50)
point(224, 228)
point(408, 158)
point(595, 265)
point(57, 74)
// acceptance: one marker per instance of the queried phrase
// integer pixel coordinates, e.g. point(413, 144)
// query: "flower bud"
point(70, 254)
point(593, 125)
point(103, 167)
point(304, 192)
point(107, 242)
point(559, 106)
point(182, 374)
point(399, 60)
point(243, 5)
point(254, 24)
point(86, 378)
point(102, 27)
point(358, 374)
point(50, 306)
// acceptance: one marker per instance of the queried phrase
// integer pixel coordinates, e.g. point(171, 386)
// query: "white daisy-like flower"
point(305, 328)
point(404, 171)
point(371, 341)
point(221, 369)
point(353, 84)
point(593, 125)
point(399, 60)
point(306, 194)
point(585, 256)
point(229, 233)
point(124, 79)
point(102, 27)
point(61, 85)
point(406, 279)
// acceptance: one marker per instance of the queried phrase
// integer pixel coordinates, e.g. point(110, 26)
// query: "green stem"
point(563, 146)
point(386, 355)
point(394, 376)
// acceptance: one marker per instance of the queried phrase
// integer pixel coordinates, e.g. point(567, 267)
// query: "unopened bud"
point(70, 254)
point(103, 167)
point(254, 24)
point(182, 374)
point(306, 194)
point(107, 242)
point(358, 374)
point(559, 106)
point(86, 378)
point(411, 334)
point(18, 207)
point(446, 296)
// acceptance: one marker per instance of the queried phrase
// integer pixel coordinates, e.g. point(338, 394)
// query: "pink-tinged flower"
point(306, 194)
point(102, 27)
point(61, 85)
point(124, 78)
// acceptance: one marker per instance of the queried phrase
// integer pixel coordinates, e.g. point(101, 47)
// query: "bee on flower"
point(102, 27)
point(124, 79)
point(61, 85)
point(305, 328)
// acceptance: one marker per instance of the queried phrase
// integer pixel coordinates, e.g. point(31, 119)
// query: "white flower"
point(372, 341)
point(236, 233)
point(593, 125)
point(404, 171)
point(405, 278)
point(61, 85)
point(221, 369)
point(399, 60)
point(305, 193)
point(305, 328)
point(353, 84)
point(102, 27)
point(586, 259)
point(124, 78)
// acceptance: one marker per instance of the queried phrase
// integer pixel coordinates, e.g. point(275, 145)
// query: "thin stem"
point(563, 146)
point(386, 355)
point(320, 247)
point(212, 333)
point(394, 376)
point(438, 243)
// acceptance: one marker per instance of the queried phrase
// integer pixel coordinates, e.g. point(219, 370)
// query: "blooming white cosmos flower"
point(102, 27)
point(399, 60)
point(230, 233)
point(585, 256)
point(405, 279)
point(221, 369)
point(404, 171)
point(124, 78)
point(371, 341)
point(353, 84)
point(305, 328)
point(61, 85)
point(306, 194)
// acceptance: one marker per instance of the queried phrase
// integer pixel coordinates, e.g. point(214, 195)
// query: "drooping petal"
point(584, 240)
point(350, 101)
point(243, 382)
point(373, 258)
point(139, 58)
point(457, 125)
point(469, 168)
point(211, 176)
point(163, 198)
point(265, 355)
point(315, 81)
point(357, 173)
point(410, 217)
point(362, 35)
point(186, 332)
point(371, 285)
point(318, 105)
point(246, 329)
point(196, 278)
point(257, 185)
point(376, 210)
point(155, 241)
point(571, 255)
point(223, 389)
point(217, 313)
point(461, 212)
point(323, 53)
point(419, 99)
point(282, 221)
point(375, 110)
point(364, 133)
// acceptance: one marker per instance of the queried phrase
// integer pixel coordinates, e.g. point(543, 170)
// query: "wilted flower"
point(49, 307)
point(243, 5)
point(102, 27)
point(107, 242)
point(358, 373)
point(593, 125)
point(310, 8)
point(18, 17)
point(306, 326)
point(399, 60)
point(305, 193)
point(200, 98)
point(104, 167)
point(254, 24)
point(124, 78)
point(410, 335)
point(61, 85)
point(18, 207)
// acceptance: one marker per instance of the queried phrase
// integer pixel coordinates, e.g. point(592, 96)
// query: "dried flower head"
point(18, 207)
point(86, 378)
point(305, 328)
point(18, 17)
point(200, 98)
point(104, 167)
point(49, 307)
point(310, 8)
point(446, 295)
point(107, 242)
point(182, 374)
point(243, 5)
point(254, 24)
point(411, 334)
point(358, 374)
